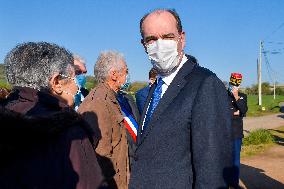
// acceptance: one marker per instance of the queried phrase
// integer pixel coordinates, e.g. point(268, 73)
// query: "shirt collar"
point(169, 78)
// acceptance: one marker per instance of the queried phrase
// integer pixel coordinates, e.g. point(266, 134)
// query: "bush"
point(259, 136)
point(4, 84)
point(135, 86)
point(90, 82)
point(279, 91)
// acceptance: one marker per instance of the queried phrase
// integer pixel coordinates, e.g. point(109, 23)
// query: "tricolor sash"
point(130, 123)
point(128, 120)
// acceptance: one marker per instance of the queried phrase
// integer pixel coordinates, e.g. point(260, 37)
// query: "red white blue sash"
point(130, 124)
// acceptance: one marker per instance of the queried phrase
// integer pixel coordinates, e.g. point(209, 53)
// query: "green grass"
point(4, 84)
point(259, 136)
point(260, 140)
point(252, 150)
point(271, 105)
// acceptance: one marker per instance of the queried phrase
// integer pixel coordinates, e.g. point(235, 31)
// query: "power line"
point(273, 32)
point(270, 71)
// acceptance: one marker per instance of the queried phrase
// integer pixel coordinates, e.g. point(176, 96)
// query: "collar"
point(169, 78)
point(44, 98)
point(26, 93)
point(110, 94)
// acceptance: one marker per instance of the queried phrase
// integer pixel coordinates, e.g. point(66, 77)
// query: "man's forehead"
point(163, 21)
point(160, 13)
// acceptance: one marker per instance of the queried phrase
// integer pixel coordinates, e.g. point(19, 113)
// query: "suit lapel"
point(173, 90)
point(151, 91)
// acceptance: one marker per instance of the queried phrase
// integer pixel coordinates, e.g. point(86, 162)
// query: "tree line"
point(266, 89)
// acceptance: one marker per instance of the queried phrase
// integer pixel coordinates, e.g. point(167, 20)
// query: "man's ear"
point(113, 74)
point(183, 39)
point(55, 84)
point(143, 43)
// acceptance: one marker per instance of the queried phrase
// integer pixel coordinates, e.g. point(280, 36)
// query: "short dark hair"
point(153, 73)
point(172, 11)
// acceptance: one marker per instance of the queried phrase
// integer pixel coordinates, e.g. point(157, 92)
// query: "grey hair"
point(106, 61)
point(79, 58)
point(33, 64)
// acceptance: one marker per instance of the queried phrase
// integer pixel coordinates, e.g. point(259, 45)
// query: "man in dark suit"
point(184, 139)
point(239, 109)
point(141, 95)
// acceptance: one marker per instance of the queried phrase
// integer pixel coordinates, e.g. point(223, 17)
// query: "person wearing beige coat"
point(102, 111)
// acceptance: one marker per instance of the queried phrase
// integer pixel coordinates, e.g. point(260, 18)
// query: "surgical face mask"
point(77, 95)
point(163, 55)
point(77, 98)
point(126, 84)
point(81, 80)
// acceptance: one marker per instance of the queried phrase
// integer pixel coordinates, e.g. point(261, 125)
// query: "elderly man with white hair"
point(102, 111)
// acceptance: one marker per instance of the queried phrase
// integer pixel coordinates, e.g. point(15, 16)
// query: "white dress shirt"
point(167, 81)
point(169, 78)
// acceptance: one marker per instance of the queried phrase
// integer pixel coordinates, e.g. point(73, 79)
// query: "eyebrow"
point(152, 37)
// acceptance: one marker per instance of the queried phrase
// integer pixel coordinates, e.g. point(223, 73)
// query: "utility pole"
point(259, 75)
point(274, 89)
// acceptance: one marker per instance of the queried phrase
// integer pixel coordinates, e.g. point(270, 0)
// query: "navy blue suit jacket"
point(188, 141)
point(141, 96)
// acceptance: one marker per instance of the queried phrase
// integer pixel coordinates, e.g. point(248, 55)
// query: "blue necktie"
point(156, 96)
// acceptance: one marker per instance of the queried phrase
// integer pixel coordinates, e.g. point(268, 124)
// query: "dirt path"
point(266, 170)
point(265, 122)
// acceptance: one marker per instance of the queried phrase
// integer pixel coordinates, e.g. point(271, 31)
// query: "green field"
point(258, 141)
point(270, 105)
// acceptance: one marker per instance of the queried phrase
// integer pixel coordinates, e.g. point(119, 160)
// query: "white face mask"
point(163, 55)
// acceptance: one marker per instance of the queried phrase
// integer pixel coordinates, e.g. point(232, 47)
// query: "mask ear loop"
point(68, 93)
point(74, 79)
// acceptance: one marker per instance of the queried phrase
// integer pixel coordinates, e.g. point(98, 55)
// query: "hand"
point(237, 113)
point(235, 92)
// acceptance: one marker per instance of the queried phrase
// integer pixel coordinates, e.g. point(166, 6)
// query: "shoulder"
point(99, 92)
point(143, 90)
point(42, 126)
point(204, 72)
point(242, 95)
point(200, 75)
point(94, 101)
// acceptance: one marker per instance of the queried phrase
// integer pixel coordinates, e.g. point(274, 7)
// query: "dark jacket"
point(187, 143)
point(141, 96)
point(237, 120)
point(44, 144)
point(84, 91)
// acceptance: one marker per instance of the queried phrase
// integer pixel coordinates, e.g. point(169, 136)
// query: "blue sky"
point(223, 35)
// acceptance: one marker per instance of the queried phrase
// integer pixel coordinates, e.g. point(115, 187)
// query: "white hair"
point(105, 62)
point(79, 59)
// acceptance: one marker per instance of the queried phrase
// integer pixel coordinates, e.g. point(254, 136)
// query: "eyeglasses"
point(79, 72)
point(66, 77)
